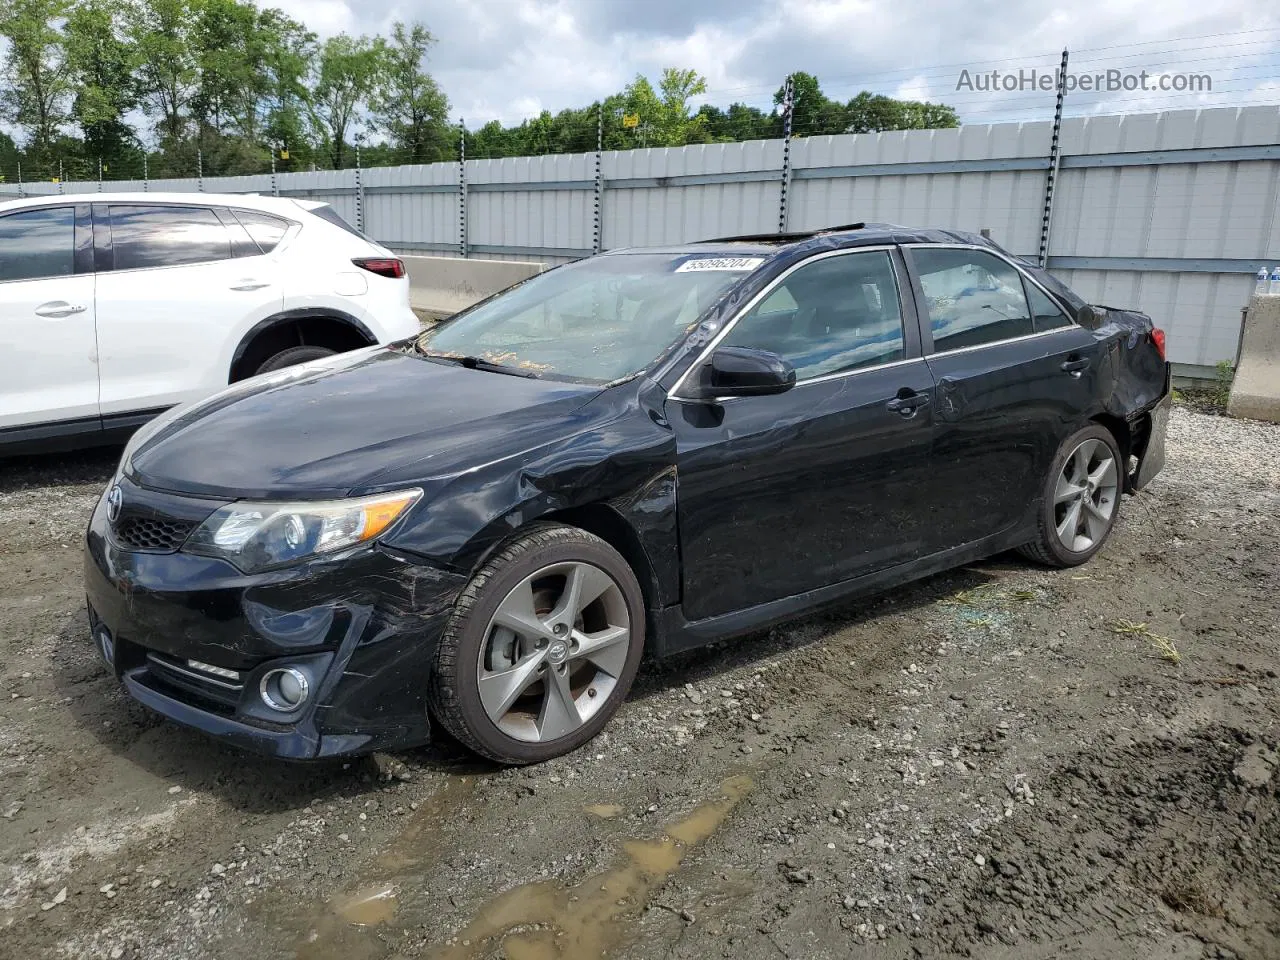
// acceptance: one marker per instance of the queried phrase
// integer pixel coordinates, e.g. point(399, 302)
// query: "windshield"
point(596, 320)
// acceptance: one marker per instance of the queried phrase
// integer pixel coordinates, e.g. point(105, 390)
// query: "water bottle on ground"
point(1260, 288)
point(1273, 285)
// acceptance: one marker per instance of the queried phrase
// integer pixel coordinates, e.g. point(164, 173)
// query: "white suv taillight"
point(383, 266)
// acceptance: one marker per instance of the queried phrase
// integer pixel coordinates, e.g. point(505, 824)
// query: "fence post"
point(146, 174)
point(20, 193)
point(596, 228)
point(199, 171)
point(1051, 175)
point(359, 190)
point(462, 187)
point(99, 174)
point(61, 190)
point(788, 98)
point(275, 188)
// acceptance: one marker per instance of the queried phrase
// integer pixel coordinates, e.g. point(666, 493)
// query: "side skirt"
point(678, 634)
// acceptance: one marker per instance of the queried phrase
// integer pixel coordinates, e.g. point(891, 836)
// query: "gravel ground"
point(1001, 762)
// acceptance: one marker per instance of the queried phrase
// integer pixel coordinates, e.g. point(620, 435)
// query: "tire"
point(1063, 488)
point(478, 648)
point(294, 356)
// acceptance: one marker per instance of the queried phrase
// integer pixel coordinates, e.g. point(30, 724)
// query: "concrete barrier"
point(1255, 392)
point(441, 286)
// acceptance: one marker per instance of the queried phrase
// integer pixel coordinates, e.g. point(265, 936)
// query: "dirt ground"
point(1000, 762)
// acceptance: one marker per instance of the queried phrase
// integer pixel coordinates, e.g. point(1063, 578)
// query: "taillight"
point(382, 266)
point(1157, 337)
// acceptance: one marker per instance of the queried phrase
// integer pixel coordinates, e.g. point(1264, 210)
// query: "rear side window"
point(972, 298)
point(158, 236)
point(330, 215)
point(267, 231)
point(1047, 314)
point(36, 244)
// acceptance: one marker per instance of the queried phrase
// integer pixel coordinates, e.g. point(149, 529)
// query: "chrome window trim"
point(1022, 273)
point(998, 343)
point(674, 392)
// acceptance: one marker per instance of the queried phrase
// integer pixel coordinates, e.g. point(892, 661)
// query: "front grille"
point(152, 534)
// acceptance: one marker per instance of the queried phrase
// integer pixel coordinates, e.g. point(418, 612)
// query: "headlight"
point(257, 536)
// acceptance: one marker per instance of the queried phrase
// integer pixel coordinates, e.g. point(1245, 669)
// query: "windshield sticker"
point(720, 263)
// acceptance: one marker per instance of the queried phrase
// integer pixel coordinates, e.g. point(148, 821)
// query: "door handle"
point(247, 285)
point(909, 404)
point(57, 309)
point(1076, 366)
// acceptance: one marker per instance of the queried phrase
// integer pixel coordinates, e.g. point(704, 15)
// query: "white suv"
point(114, 307)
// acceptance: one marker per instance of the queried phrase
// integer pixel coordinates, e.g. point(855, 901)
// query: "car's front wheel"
point(1080, 499)
point(542, 647)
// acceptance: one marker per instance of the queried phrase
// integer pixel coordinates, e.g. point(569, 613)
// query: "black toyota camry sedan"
point(486, 528)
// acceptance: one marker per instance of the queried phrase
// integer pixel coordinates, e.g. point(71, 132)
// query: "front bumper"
point(362, 628)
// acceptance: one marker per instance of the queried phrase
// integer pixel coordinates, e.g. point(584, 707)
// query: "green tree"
point(814, 114)
point(408, 104)
point(288, 59)
point(163, 34)
point(101, 64)
point(36, 84)
point(664, 118)
point(346, 73)
point(873, 112)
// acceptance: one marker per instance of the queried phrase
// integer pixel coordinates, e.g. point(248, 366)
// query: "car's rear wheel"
point(542, 647)
point(1080, 500)
point(294, 356)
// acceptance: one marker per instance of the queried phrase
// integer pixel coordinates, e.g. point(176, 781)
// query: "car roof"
point(282, 205)
point(772, 245)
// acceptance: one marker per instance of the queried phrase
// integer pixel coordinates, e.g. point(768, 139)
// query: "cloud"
point(507, 59)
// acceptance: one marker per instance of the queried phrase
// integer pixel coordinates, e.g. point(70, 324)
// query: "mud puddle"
point(543, 920)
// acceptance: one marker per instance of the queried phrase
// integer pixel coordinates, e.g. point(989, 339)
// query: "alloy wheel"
point(1085, 496)
point(553, 651)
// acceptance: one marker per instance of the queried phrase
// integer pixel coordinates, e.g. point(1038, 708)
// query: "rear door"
point(780, 495)
point(181, 285)
point(48, 349)
point(1015, 375)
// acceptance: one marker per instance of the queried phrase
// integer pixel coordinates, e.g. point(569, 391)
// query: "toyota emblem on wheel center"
point(114, 499)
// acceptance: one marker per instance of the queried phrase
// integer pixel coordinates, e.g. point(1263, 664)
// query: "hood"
point(329, 428)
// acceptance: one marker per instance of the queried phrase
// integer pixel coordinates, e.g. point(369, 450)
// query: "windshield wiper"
point(479, 363)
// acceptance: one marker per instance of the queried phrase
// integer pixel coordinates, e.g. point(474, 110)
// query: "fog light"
point(285, 689)
point(106, 645)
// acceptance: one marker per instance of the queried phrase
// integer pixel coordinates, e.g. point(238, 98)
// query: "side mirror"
point(1091, 317)
point(743, 372)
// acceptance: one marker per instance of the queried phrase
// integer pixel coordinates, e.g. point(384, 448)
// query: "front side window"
point(972, 297)
point(832, 315)
point(157, 236)
point(596, 320)
point(37, 244)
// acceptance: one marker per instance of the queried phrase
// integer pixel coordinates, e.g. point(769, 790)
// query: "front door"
point(780, 495)
point(48, 348)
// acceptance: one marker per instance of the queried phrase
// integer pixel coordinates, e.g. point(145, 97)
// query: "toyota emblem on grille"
point(114, 499)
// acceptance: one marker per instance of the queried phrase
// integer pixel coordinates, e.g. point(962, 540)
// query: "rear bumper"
point(1151, 455)
point(362, 630)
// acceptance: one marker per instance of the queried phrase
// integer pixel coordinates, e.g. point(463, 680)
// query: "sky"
point(510, 59)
